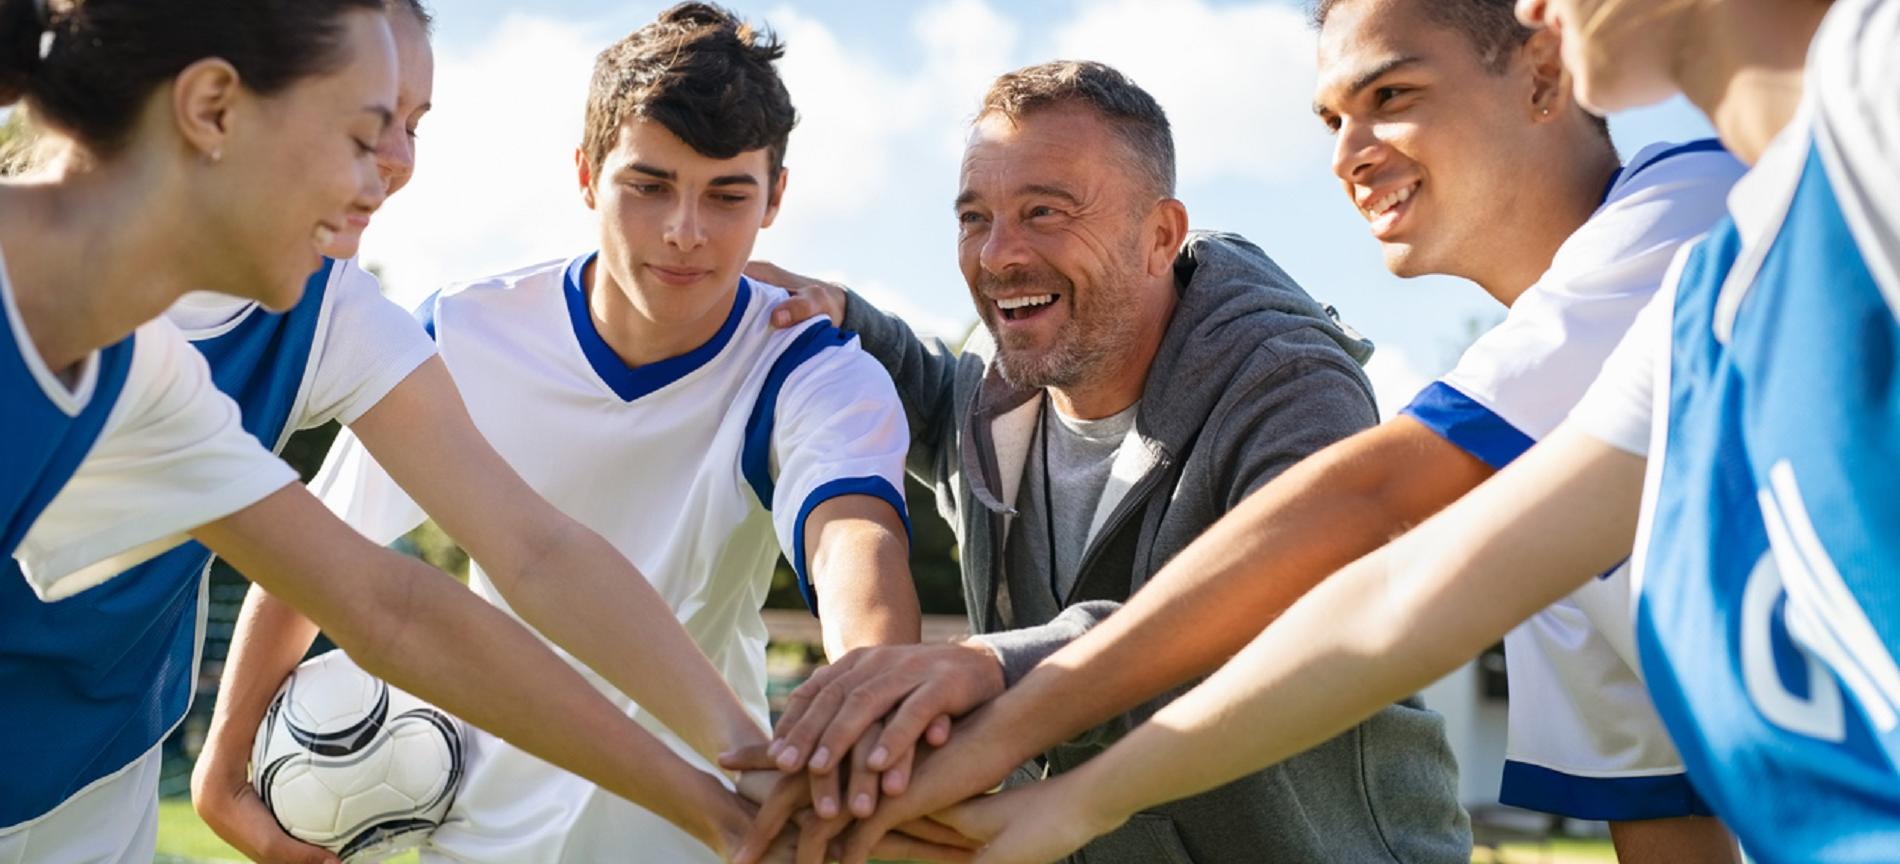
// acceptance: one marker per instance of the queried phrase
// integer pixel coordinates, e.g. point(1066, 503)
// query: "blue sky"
point(884, 90)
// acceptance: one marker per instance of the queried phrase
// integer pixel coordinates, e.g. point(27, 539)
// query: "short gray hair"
point(1134, 115)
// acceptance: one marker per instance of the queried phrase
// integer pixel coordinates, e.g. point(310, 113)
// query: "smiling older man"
point(1132, 383)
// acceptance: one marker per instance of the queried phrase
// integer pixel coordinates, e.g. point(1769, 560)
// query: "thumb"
point(752, 757)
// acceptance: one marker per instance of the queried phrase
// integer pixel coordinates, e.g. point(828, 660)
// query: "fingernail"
point(788, 759)
point(827, 807)
point(779, 317)
point(879, 757)
point(861, 805)
point(821, 759)
point(894, 782)
point(773, 748)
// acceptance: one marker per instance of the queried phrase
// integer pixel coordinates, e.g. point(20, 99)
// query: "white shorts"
point(1585, 741)
point(114, 821)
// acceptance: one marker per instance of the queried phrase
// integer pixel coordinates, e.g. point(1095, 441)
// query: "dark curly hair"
point(701, 72)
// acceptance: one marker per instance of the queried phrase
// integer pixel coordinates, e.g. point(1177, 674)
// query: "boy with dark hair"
point(641, 390)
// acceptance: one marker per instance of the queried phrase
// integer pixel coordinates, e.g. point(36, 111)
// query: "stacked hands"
point(864, 765)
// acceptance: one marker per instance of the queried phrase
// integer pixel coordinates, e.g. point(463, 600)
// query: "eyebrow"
point(722, 180)
point(1367, 78)
point(1044, 189)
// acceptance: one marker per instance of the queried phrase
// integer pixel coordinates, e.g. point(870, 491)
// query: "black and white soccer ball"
point(349, 763)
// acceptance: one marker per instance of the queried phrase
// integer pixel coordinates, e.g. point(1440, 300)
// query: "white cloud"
point(494, 187)
point(966, 44)
point(1236, 81)
point(851, 114)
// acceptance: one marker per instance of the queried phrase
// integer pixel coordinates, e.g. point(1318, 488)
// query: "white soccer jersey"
point(1584, 741)
point(365, 344)
point(700, 469)
point(170, 455)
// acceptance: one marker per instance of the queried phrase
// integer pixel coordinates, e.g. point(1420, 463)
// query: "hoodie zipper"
point(1136, 498)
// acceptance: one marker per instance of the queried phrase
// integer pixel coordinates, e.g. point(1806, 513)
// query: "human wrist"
point(723, 819)
point(1097, 805)
point(987, 666)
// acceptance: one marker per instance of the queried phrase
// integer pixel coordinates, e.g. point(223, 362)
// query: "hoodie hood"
point(1234, 302)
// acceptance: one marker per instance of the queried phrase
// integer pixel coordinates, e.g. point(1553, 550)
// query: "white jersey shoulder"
point(1532, 368)
point(369, 344)
point(173, 455)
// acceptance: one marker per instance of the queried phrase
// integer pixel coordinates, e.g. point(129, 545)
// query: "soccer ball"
point(349, 763)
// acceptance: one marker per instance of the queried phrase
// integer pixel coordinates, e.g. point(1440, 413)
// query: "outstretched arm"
point(563, 579)
point(1390, 623)
point(1206, 604)
point(551, 568)
point(413, 626)
point(860, 567)
point(269, 640)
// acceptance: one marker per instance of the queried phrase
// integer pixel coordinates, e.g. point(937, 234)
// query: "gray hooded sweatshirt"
point(1252, 375)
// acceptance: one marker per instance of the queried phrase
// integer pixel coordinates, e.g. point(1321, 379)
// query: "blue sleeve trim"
point(1610, 799)
point(876, 487)
point(1700, 145)
point(425, 314)
point(632, 382)
point(755, 456)
point(1472, 427)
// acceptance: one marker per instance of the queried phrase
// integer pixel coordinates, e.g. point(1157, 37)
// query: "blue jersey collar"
point(633, 382)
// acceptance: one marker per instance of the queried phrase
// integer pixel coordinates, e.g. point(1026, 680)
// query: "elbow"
point(546, 551)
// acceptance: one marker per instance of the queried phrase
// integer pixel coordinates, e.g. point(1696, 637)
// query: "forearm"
point(1220, 592)
point(268, 641)
point(493, 653)
point(1389, 624)
point(581, 593)
point(563, 579)
point(415, 627)
point(860, 569)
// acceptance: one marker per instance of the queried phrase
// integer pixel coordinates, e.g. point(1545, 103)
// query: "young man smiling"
point(640, 390)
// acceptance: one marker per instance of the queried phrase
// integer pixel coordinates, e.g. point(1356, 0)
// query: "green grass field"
point(182, 839)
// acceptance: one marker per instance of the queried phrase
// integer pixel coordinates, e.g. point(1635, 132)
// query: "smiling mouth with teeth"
point(1379, 207)
point(1018, 308)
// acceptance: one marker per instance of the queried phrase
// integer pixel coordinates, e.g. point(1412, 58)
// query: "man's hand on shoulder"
point(810, 297)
